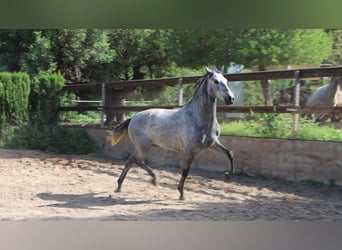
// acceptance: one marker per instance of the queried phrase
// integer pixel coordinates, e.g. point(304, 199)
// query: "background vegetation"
point(280, 126)
point(30, 117)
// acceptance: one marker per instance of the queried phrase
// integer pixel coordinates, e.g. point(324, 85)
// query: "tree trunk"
point(266, 89)
point(115, 97)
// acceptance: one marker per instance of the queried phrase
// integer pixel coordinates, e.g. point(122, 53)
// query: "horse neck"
point(334, 83)
point(202, 108)
point(333, 86)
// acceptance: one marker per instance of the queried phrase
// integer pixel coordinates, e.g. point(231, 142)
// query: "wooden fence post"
point(296, 104)
point(180, 89)
point(103, 102)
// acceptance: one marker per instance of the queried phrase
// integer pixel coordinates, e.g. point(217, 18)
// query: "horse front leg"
point(219, 147)
point(187, 162)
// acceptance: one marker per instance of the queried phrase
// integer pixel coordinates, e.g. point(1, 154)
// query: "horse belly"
point(172, 144)
point(167, 136)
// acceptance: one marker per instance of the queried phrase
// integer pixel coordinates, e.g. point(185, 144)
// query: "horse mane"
point(200, 82)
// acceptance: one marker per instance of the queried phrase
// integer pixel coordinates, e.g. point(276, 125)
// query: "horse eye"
point(216, 81)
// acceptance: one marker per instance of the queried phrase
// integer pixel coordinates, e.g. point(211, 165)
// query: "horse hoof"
point(226, 176)
point(118, 190)
point(154, 182)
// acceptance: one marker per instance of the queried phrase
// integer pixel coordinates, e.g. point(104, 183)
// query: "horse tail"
point(118, 132)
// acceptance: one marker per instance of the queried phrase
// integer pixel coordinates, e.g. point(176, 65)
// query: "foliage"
point(204, 47)
point(336, 55)
point(14, 97)
point(141, 53)
point(84, 54)
point(263, 47)
point(310, 46)
point(56, 139)
point(13, 44)
point(86, 117)
point(254, 48)
point(42, 98)
point(45, 98)
point(252, 93)
point(280, 126)
point(75, 53)
point(308, 130)
point(167, 95)
point(250, 47)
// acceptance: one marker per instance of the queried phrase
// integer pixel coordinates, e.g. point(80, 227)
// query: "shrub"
point(56, 139)
point(14, 97)
point(45, 98)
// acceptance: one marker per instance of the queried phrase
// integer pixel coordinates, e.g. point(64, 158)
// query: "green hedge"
point(14, 97)
point(29, 114)
point(41, 96)
point(45, 98)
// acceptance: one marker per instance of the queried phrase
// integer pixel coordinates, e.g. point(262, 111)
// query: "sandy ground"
point(40, 186)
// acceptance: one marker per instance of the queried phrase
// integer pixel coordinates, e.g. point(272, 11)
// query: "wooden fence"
point(295, 74)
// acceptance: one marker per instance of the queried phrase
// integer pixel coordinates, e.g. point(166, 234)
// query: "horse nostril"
point(232, 98)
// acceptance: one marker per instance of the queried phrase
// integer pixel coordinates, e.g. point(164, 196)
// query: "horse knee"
point(185, 172)
point(230, 154)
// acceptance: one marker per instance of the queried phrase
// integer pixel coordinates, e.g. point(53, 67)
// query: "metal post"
point(103, 102)
point(180, 88)
point(296, 104)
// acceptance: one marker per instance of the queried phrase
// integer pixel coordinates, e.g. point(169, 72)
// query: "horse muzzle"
point(229, 100)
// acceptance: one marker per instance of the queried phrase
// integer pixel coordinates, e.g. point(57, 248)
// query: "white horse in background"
point(327, 95)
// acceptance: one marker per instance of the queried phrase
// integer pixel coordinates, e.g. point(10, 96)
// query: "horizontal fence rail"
point(223, 109)
point(251, 76)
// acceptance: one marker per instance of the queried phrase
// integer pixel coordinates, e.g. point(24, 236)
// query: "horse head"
point(218, 86)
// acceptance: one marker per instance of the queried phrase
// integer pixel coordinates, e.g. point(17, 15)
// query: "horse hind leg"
point(131, 160)
point(124, 172)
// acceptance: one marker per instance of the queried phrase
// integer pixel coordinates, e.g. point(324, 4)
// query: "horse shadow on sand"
point(91, 201)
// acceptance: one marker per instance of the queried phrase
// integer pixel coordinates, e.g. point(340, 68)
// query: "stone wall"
point(286, 159)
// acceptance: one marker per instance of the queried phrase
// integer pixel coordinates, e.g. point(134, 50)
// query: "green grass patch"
point(280, 126)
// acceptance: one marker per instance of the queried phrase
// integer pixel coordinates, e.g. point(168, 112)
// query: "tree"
point(13, 43)
point(141, 53)
point(266, 47)
point(75, 53)
point(83, 55)
point(259, 48)
point(203, 47)
point(310, 46)
point(336, 55)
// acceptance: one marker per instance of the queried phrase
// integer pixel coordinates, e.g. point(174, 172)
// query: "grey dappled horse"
point(327, 95)
point(190, 129)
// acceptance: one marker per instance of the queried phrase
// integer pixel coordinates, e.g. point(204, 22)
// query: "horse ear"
point(209, 71)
